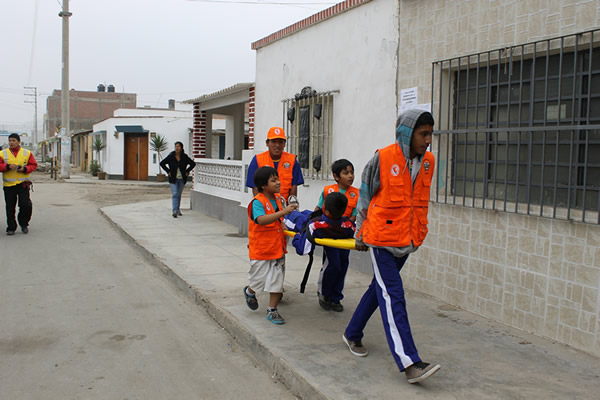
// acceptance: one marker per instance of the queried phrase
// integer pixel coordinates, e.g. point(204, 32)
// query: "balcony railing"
point(223, 178)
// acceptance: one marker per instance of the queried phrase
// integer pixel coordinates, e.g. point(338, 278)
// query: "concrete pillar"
point(209, 135)
point(238, 145)
point(230, 128)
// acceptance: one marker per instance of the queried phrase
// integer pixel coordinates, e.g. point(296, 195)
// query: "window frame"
point(579, 131)
point(320, 131)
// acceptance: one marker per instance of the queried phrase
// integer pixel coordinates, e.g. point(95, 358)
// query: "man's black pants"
point(13, 195)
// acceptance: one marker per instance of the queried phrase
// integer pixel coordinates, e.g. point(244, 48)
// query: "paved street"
point(84, 316)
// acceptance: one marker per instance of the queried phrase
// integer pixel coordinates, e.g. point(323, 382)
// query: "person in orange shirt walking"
point(288, 169)
point(392, 221)
point(267, 242)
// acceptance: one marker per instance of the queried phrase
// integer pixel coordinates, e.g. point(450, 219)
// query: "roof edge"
point(309, 21)
point(238, 87)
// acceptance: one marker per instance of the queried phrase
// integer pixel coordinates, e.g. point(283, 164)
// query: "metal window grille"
point(308, 125)
point(520, 128)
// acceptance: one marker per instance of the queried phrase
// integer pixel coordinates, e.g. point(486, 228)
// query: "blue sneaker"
point(251, 300)
point(275, 317)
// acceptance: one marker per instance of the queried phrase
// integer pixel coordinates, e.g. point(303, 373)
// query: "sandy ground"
point(108, 195)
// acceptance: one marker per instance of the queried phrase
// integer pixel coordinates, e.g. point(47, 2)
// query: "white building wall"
point(354, 52)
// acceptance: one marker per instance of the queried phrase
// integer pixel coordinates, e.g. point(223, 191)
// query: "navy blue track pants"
point(387, 293)
point(333, 273)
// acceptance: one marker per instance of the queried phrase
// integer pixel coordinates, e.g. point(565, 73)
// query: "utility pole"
point(32, 91)
point(65, 129)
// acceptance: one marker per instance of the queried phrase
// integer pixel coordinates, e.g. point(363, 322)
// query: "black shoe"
point(10, 233)
point(179, 213)
point(174, 215)
point(325, 303)
point(25, 230)
point(337, 307)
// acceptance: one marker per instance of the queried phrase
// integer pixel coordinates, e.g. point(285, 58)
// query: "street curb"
point(260, 353)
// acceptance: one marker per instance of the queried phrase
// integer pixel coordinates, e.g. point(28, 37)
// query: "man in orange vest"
point(392, 221)
point(16, 164)
point(288, 169)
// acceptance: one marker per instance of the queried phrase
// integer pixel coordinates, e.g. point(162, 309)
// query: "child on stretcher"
point(331, 224)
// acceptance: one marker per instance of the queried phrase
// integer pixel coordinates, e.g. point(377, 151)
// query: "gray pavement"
point(85, 316)
point(480, 358)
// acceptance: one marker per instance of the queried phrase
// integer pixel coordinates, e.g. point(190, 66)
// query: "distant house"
point(86, 109)
point(514, 220)
point(127, 136)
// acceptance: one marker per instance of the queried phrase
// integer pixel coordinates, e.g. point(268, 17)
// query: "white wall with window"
point(349, 63)
point(173, 125)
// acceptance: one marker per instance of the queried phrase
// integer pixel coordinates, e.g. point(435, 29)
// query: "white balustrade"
point(222, 178)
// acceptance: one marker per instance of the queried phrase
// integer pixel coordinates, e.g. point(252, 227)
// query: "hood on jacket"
point(405, 126)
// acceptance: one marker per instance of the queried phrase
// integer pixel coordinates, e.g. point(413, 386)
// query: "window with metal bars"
point(522, 128)
point(308, 126)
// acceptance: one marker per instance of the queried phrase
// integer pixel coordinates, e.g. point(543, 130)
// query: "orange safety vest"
point(397, 213)
point(285, 169)
point(266, 242)
point(351, 195)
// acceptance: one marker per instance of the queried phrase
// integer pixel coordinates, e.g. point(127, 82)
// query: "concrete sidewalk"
point(480, 359)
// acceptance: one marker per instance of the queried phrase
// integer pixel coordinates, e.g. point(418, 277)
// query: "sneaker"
point(325, 302)
point(251, 300)
point(25, 230)
point(174, 215)
point(420, 371)
point(337, 307)
point(275, 317)
point(179, 213)
point(355, 348)
point(10, 233)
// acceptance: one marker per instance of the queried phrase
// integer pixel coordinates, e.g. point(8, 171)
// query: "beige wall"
point(537, 274)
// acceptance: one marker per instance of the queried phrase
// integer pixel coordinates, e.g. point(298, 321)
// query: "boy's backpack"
point(300, 224)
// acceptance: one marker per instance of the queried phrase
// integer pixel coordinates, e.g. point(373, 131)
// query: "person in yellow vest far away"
point(288, 169)
point(392, 222)
point(16, 165)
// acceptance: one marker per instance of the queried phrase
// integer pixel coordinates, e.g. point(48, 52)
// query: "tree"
point(159, 144)
point(98, 145)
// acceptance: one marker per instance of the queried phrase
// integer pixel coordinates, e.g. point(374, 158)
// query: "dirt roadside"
point(112, 194)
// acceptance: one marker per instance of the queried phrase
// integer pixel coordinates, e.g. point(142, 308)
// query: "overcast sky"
point(159, 49)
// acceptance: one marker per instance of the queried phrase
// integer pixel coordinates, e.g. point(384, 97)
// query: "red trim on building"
point(199, 133)
point(251, 103)
point(305, 23)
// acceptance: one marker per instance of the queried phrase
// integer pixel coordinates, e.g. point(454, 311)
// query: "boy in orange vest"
point(267, 243)
point(336, 261)
point(392, 221)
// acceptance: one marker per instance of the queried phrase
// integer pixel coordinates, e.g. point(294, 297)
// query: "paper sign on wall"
point(409, 99)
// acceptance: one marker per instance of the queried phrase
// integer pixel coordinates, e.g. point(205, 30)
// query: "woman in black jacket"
point(178, 166)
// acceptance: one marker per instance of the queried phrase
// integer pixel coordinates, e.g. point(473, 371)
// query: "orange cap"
point(276, 133)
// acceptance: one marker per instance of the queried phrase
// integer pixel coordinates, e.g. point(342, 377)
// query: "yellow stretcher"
point(346, 244)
